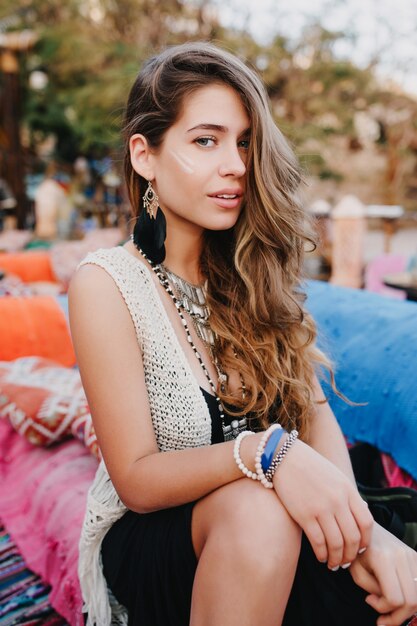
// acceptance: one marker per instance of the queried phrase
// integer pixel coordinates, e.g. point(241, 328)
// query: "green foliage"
point(92, 50)
point(329, 174)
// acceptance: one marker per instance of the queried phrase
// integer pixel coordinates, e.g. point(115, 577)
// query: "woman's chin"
point(226, 222)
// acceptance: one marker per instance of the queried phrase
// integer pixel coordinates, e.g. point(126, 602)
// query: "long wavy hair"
point(254, 269)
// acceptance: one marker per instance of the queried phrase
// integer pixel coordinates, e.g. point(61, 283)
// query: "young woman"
point(192, 334)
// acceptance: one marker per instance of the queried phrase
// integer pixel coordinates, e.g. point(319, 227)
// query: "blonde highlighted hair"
point(254, 269)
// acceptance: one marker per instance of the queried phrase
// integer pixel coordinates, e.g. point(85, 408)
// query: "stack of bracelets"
point(266, 461)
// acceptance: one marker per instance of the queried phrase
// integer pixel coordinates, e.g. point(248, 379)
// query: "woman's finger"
point(408, 587)
point(317, 540)
point(365, 579)
point(334, 541)
point(395, 618)
point(389, 582)
point(363, 518)
point(351, 535)
point(406, 578)
point(380, 605)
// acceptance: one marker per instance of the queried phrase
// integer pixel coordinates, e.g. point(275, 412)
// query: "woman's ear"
point(141, 156)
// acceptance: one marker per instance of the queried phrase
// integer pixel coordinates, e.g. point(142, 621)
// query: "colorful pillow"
point(34, 326)
point(45, 402)
point(82, 428)
point(29, 266)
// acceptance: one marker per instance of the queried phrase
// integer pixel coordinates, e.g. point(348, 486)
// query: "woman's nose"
point(233, 164)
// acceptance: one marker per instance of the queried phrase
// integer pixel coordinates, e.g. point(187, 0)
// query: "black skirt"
point(149, 564)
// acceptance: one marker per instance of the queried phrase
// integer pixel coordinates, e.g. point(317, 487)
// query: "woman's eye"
point(204, 141)
point(244, 144)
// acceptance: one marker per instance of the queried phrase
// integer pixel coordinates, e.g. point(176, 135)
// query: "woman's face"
point(199, 172)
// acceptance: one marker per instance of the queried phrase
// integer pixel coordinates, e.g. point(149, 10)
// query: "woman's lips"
point(227, 203)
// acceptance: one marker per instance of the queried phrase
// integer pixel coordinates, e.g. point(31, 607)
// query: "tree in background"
point(337, 115)
point(91, 50)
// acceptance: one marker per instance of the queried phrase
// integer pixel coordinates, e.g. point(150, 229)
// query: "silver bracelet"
point(269, 474)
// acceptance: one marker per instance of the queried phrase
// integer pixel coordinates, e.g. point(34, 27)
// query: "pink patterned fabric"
point(42, 503)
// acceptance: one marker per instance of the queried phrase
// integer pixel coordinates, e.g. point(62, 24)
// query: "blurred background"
point(341, 75)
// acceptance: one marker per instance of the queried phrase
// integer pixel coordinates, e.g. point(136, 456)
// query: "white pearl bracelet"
point(236, 453)
point(261, 447)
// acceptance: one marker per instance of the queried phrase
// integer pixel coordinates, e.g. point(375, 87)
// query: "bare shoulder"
point(93, 280)
point(97, 309)
point(90, 279)
point(93, 292)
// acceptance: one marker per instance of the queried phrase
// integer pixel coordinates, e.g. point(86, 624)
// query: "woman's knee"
point(247, 521)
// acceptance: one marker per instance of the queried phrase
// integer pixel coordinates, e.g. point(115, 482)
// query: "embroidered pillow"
point(82, 428)
point(44, 401)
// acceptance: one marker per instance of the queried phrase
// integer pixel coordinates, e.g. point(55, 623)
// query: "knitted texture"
point(179, 413)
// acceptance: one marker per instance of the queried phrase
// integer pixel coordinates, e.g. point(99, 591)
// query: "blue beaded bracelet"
point(271, 446)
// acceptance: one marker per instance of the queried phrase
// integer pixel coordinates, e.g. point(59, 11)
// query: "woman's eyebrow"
point(218, 127)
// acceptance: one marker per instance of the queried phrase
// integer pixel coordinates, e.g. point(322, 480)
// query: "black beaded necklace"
point(237, 425)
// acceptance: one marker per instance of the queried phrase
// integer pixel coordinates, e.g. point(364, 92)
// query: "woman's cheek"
point(184, 162)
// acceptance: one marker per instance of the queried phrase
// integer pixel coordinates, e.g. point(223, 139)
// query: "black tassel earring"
point(150, 229)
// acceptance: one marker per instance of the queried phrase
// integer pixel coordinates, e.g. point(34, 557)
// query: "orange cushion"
point(34, 326)
point(30, 266)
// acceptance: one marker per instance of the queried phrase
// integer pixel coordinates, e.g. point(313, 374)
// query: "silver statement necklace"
point(195, 299)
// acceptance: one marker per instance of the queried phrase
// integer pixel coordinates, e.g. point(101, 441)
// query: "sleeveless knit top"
point(180, 417)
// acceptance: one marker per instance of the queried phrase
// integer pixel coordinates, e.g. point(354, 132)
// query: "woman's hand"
point(388, 572)
point(325, 503)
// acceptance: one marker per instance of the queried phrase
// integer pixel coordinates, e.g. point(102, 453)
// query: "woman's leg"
point(247, 548)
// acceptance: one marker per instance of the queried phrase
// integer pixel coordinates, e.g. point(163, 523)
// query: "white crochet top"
point(180, 417)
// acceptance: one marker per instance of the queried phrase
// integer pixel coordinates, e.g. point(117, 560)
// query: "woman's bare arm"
point(326, 436)
point(112, 372)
